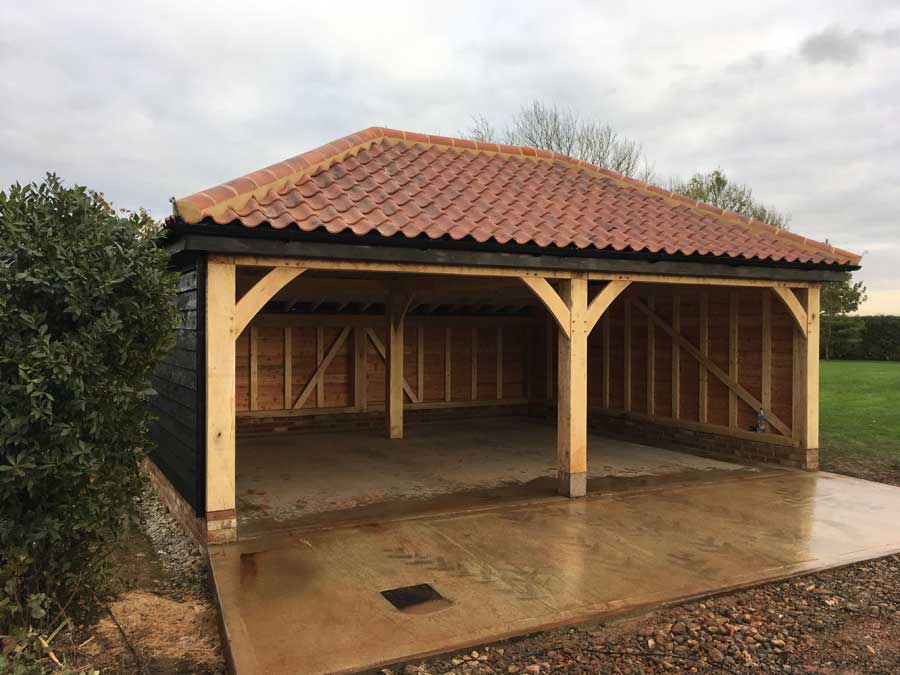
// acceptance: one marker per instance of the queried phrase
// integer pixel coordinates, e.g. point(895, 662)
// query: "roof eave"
point(237, 239)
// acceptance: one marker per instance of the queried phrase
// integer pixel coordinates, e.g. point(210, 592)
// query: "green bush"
point(87, 311)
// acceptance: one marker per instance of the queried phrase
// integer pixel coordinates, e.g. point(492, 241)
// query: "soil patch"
point(162, 619)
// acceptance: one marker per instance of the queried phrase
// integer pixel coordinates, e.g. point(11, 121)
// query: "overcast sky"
point(146, 100)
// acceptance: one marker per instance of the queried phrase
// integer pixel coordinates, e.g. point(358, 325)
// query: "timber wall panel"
point(178, 431)
point(719, 308)
point(689, 367)
point(638, 361)
point(339, 375)
point(375, 367)
point(303, 361)
point(312, 339)
point(782, 361)
point(595, 372)
point(435, 362)
point(749, 349)
point(616, 355)
point(487, 364)
point(662, 342)
point(750, 352)
point(515, 365)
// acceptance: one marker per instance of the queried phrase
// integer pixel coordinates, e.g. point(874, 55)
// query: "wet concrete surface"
point(310, 601)
point(286, 481)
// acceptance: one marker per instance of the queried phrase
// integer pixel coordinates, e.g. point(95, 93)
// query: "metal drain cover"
point(413, 598)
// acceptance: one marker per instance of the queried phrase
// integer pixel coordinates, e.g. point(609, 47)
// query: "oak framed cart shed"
point(390, 278)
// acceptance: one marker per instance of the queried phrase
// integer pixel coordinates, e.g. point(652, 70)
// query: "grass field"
point(860, 417)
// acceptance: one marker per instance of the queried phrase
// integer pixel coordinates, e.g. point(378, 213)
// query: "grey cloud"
point(152, 100)
point(845, 47)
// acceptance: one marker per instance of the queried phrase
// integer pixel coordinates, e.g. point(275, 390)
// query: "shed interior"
point(671, 368)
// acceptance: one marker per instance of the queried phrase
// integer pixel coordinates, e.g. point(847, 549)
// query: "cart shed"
point(377, 291)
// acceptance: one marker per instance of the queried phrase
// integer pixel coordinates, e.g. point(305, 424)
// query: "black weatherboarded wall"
point(178, 432)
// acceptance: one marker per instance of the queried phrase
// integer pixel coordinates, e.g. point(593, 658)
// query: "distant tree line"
point(863, 338)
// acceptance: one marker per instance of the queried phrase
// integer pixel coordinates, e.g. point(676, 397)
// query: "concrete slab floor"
point(286, 481)
point(310, 602)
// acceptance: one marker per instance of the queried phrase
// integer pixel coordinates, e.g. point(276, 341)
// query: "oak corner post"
point(809, 382)
point(220, 395)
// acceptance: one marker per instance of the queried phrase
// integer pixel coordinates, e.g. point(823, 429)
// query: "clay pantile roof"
point(397, 183)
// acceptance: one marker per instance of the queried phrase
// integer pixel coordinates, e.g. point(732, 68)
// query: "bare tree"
point(549, 128)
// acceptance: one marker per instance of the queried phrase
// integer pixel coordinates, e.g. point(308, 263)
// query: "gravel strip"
point(184, 564)
point(842, 622)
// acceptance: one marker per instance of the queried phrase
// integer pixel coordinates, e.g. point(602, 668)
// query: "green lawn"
point(860, 415)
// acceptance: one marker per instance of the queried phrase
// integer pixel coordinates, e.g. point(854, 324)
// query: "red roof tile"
point(401, 183)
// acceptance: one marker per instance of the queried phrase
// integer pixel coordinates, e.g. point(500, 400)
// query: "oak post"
point(571, 394)
point(809, 377)
point(220, 387)
point(395, 309)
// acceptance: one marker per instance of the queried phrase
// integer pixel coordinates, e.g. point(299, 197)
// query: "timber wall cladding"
point(177, 430)
point(639, 368)
point(446, 362)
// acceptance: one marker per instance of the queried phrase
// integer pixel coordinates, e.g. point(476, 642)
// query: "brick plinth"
point(697, 442)
point(194, 525)
point(371, 420)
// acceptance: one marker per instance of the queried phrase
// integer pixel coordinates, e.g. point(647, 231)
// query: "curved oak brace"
point(261, 292)
point(789, 298)
point(555, 304)
point(602, 301)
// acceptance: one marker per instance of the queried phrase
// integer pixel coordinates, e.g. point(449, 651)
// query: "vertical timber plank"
point(499, 362)
point(797, 399)
point(733, 346)
point(627, 377)
point(651, 360)
point(474, 363)
point(254, 368)
point(448, 360)
point(420, 363)
point(288, 367)
point(704, 350)
point(604, 329)
point(766, 393)
point(320, 355)
point(360, 368)
point(548, 328)
point(676, 357)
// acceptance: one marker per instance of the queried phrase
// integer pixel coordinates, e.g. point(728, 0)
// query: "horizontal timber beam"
point(514, 264)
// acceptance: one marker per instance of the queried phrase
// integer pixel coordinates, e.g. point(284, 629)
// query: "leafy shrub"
point(86, 309)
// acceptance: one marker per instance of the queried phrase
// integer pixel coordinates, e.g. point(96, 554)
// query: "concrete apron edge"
point(246, 664)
